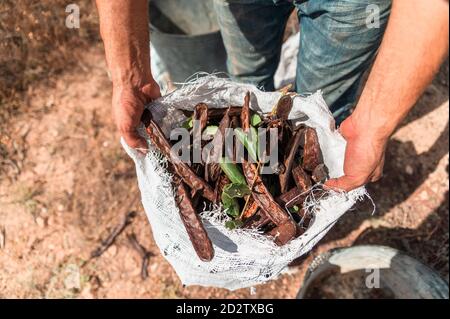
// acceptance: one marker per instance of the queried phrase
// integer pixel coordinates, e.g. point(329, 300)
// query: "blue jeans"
point(337, 45)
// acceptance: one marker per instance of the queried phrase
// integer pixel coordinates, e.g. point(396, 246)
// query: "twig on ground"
point(113, 235)
point(143, 252)
point(2, 237)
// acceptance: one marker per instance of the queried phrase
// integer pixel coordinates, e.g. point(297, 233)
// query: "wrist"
point(130, 77)
point(362, 126)
point(373, 122)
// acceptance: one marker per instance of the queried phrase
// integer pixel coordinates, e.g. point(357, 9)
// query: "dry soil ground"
point(70, 182)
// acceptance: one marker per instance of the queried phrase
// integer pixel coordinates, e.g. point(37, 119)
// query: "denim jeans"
point(337, 45)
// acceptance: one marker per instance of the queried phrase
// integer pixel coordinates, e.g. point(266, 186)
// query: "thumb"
point(134, 140)
point(151, 91)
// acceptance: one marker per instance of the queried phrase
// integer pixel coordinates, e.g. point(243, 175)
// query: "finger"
point(344, 183)
point(151, 91)
point(134, 140)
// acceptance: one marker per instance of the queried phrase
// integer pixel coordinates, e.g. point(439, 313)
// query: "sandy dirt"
point(71, 183)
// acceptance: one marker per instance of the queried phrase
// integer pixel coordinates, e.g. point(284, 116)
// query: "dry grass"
point(35, 46)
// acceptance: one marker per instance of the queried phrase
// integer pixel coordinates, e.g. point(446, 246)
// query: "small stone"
point(60, 207)
point(111, 252)
point(105, 144)
point(40, 222)
point(50, 221)
point(409, 169)
point(153, 267)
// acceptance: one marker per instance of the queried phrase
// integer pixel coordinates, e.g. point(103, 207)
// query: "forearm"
point(414, 45)
point(124, 30)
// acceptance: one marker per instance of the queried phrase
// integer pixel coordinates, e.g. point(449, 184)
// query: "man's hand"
point(128, 105)
point(409, 56)
point(124, 29)
point(364, 156)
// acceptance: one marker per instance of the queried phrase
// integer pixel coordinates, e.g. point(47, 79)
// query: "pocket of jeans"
point(346, 16)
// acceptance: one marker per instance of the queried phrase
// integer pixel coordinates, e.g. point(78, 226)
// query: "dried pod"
point(251, 209)
point(286, 227)
point(192, 222)
point(201, 115)
point(289, 160)
point(292, 197)
point(320, 173)
point(180, 168)
point(212, 163)
point(257, 221)
point(312, 155)
point(284, 232)
point(301, 179)
point(284, 107)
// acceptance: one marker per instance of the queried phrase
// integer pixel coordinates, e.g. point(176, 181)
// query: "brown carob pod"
point(251, 209)
point(201, 115)
point(301, 179)
point(180, 168)
point(292, 197)
point(217, 113)
point(312, 155)
point(284, 232)
point(284, 107)
point(286, 228)
point(212, 165)
point(192, 222)
point(320, 173)
point(201, 119)
point(258, 220)
point(289, 160)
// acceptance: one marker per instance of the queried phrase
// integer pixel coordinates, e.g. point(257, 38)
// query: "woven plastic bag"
point(243, 258)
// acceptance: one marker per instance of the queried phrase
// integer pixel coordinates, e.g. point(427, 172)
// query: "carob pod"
point(301, 179)
point(217, 113)
point(320, 173)
point(258, 220)
point(192, 222)
point(251, 209)
point(284, 107)
point(286, 228)
point(312, 155)
point(201, 119)
point(201, 115)
point(158, 139)
point(212, 164)
point(290, 159)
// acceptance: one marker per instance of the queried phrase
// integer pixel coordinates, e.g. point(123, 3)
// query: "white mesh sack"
point(243, 258)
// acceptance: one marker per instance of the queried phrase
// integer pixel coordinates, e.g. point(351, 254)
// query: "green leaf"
point(211, 130)
point(233, 224)
point(232, 171)
point(236, 190)
point(255, 120)
point(188, 124)
point(230, 205)
point(250, 141)
point(294, 209)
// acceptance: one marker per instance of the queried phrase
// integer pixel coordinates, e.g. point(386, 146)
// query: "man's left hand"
point(364, 156)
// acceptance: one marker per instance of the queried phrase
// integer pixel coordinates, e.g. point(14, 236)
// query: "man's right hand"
point(124, 30)
point(128, 105)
